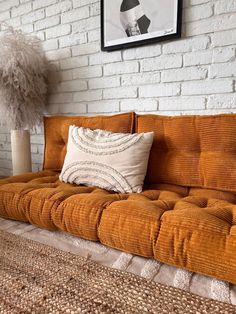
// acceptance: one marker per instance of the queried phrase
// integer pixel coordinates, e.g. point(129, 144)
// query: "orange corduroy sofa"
point(186, 215)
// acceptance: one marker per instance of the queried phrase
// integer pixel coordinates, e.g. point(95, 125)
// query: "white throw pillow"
point(112, 161)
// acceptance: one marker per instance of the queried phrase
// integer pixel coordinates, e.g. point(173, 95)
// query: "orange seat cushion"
point(190, 228)
point(197, 151)
point(29, 197)
point(199, 234)
point(132, 225)
point(80, 214)
point(56, 133)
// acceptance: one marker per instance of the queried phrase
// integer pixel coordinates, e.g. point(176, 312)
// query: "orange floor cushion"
point(197, 151)
point(29, 197)
point(186, 215)
point(198, 235)
point(80, 214)
point(172, 226)
point(133, 224)
point(56, 133)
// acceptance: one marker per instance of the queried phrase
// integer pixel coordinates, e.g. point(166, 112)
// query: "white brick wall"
point(193, 75)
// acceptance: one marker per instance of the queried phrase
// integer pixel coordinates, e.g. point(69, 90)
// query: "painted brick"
point(46, 23)
point(103, 106)
point(74, 62)
point(14, 22)
point(86, 24)
point(5, 15)
point(87, 72)
point(121, 92)
point(213, 24)
point(37, 158)
point(34, 148)
point(61, 98)
point(138, 105)
point(38, 4)
point(103, 58)
point(3, 137)
point(207, 87)
point(222, 70)
point(5, 164)
point(140, 78)
point(58, 31)
point(36, 139)
point(104, 82)
point(227, 101)
point(186, 45)
point(196, 2)
point(40, 149)
point(142, 52)
point(224, 38)
point(184, 74)
point(91, 95)
point(162, 62)
point(66, 75)
point(73, 108)
point(159, 90)
point(21, 9)
point(6, 146)
point(198, 58)
point(121, 67)
point(225, 6)
point(36, 167)
point(94, 35)
point(6, 5)
point(72, 86)
point(198, 13)
point(33, 16)
point(5, 171)
point(94, 9)
point(224, 54)
point(75, 15)
point(72, 40)
point(80, 3)
point(182, 103)
point(58, 8)
point(52, 109)
point(85, 49)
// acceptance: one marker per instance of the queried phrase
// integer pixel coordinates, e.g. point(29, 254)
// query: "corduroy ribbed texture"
point(56, 133)
point(195, 151)
point(190, 228)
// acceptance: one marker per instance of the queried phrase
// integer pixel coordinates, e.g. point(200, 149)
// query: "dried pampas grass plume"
point(23, 80)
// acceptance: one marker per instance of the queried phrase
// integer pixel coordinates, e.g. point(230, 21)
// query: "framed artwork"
point(129, 23)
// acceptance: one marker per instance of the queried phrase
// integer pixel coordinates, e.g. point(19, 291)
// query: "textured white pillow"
point(112, 161)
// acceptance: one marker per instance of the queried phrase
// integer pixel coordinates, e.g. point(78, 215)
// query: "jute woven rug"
point(35, 278)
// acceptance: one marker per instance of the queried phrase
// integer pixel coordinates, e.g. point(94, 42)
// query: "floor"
point(148, 268)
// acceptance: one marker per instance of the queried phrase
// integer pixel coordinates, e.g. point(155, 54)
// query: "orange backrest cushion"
point(195, 151)
point(56, 133)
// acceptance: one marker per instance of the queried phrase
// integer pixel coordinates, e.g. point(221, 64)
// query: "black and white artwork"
point(128, 23)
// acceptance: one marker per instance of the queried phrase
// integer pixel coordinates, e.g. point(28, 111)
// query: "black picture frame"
point(175, 35)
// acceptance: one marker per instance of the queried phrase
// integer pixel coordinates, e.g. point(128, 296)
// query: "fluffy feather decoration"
point(23, 79)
